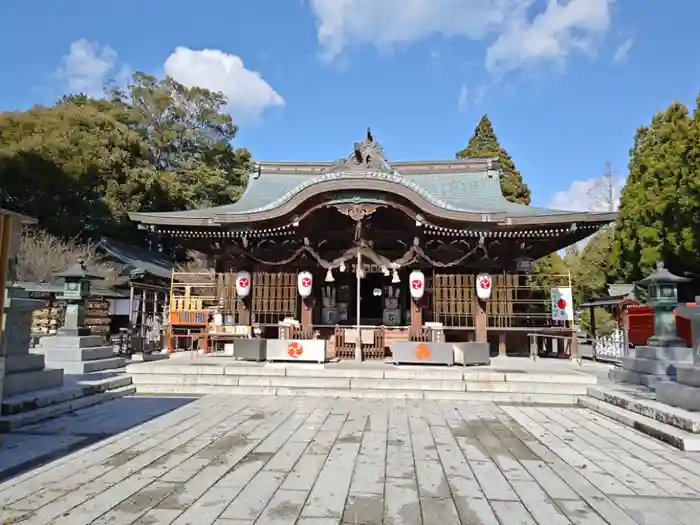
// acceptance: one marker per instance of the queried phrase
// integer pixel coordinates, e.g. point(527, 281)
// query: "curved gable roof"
point(449, 188)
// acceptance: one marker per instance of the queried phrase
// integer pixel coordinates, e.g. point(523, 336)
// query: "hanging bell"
point(329, 276)
point(342, 267)
point(395, 277)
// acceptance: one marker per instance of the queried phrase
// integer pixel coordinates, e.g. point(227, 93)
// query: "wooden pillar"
point(307, 316)
point(416, 317)
point(480, 322)
point(502, 344)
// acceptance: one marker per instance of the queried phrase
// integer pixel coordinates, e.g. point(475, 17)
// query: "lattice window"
point(227, 296)
point(453, 299)
point(519, 300)
point(274, 297)
point(499, 308)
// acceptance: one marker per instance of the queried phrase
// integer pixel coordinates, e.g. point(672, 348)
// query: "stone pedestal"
point(80, 354)
point(22, 371)
point(684, 392)
point(651, 364)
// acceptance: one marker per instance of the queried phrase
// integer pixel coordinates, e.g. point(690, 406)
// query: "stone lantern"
point(662, 288)
point(76, 289)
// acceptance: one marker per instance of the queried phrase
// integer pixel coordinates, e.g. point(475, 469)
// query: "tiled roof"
point(470, 186)
point(136, 258)
point(478, 192)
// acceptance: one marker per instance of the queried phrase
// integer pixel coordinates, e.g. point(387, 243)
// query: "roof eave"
point(560, 218)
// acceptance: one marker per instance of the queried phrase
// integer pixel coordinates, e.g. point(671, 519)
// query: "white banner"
point(562, 304)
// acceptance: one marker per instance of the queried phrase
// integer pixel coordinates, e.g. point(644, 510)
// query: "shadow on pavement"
point(41, 443)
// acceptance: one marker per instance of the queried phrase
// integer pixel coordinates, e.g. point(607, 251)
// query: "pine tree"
point(659, 207)
point(484, 144)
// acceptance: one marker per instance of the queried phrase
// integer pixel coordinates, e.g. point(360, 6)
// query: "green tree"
point(66, 166)
point(189, 136)
point(659, 206)
point(83, 164)
point(484, 144)
point(590, 267)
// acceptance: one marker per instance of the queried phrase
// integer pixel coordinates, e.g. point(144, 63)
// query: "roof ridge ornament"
point(367, 155)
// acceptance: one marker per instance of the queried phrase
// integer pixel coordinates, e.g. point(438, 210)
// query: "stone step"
point(86, 385)
point(21, 382)
point(325, 371)
point(664, 353)
point(656, 410)
point(79, 354)
point(493, 397)
point(688, 375)
point(65, 341)
point(683, 397)
point(652, 366)
point(637, 378)
point(670, 434)
point(9, 423)
point(84, 367)
point(24, 363)
point(339, 383)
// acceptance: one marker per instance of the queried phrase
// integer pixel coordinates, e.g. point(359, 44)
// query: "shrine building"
point(399, 248)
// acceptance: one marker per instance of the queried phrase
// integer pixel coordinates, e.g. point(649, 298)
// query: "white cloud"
point(86, 67)
point(599, 194)
point(463, 99)
point(470, 97)
point(516, 37)
point(623, 50)
point(596, 194)
point(247, 92)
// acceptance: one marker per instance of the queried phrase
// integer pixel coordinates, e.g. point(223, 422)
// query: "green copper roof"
point(470, 186)
point(472, 192)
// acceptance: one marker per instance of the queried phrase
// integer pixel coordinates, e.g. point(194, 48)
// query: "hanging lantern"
point(483, 286)
point(305, 283)
point(243, 284)
point(416, 283)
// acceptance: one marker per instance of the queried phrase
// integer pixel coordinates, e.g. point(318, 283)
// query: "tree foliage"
point(484, 144)
point(590, 267)
point(81, 165)
point(660, 205)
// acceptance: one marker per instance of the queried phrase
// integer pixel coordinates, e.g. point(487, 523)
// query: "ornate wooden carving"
point(367, 155)
point(357, 212)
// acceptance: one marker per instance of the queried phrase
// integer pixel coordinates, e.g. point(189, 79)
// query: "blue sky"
point(565, 83)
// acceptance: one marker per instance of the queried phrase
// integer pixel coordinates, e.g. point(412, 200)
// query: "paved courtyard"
point(240, 461)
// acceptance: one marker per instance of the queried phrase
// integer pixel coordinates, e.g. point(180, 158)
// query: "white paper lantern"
point(243, 284)
point(483, 286)
point(305, 282)
point(416, 284)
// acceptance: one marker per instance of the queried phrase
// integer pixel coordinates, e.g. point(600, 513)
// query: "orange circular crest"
point(295, 349)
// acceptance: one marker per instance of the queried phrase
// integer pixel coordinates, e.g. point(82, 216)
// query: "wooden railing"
point(373, 342)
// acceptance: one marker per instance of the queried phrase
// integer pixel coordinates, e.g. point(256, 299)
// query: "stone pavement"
point(232, 460)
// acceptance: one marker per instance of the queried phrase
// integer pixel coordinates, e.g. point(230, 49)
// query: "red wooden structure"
point(640, 325)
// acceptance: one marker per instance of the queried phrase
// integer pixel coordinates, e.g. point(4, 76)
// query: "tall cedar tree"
point(484, 143)
point(660, 206)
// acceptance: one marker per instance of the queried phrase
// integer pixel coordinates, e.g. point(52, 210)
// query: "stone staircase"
point(636, 407)
point(79, 354)
point(369, 381)
point(77, 391)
